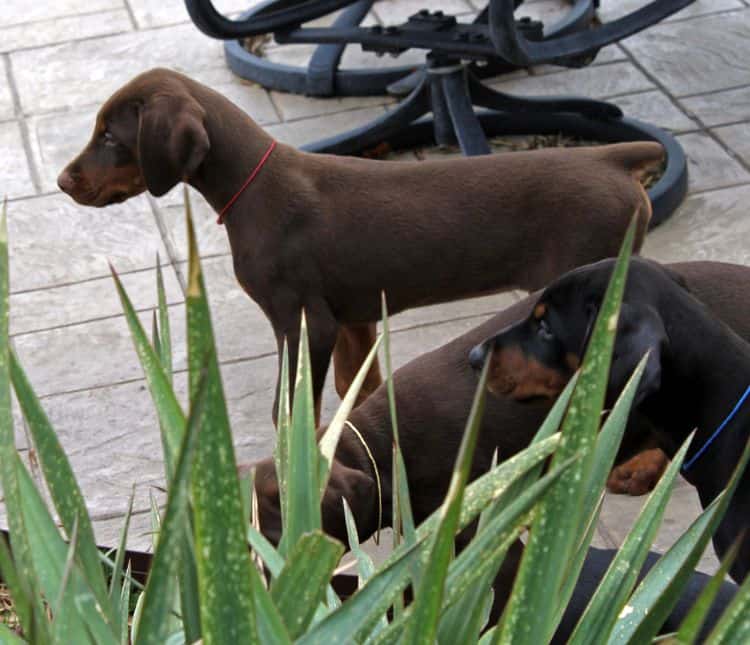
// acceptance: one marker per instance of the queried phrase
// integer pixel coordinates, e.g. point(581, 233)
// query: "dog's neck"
point(237, 146)
point(705, 372)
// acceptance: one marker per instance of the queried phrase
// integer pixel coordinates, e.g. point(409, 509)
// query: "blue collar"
point(718, 430)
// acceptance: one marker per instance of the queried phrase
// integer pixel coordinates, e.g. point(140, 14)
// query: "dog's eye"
point(109, 138)
point(543, 331)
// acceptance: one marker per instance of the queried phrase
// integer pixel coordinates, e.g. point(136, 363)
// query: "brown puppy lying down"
point(434, 394)
point(328, 233)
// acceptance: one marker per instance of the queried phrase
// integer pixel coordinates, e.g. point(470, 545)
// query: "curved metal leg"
point(382, 128)
point(321, 70)
point(469, 133)
point(443, 123)
point(571, 48)
point(489, 98)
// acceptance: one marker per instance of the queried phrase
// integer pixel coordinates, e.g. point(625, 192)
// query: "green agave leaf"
point(49, 554)
point(660, 590)
point(609, 439)
point(165, 335)
point(463, 624)
point(463, 620)
point(158, 596)
point(302, 583)
point(481, 559)
point(188, 588)
point(115, 583)
point(30, 613)
point(529, 616)
point(488, 637)
point(355, 619)
point(486, 551)
point(270, 556)
point(186, 596)
point(365, 566)
point(478, 495)
point(224, 567)
point(550, 426)
point(283, 424)
point(302, 470)
point(734, 624)
point(692, 623)
point(271, 629)
point(61, 483)
point(658, 580)
point(422, 627)
point(402, 501)
point(18, 588)
point(605, 451)
point(330, 438)
point(98, 632)
point(171, 416)
point(610, 597)
point(136, 618)
point(124, 604)
point(490, 486)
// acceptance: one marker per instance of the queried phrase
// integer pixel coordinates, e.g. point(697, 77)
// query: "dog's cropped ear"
point(640, 330)
point(172, 140)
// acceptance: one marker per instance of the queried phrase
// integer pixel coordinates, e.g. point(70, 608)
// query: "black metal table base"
point(451, 91)
point(324, 77)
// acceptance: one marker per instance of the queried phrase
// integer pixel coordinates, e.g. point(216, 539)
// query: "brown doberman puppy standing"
point(697, 376)
point(433, 398)
point(328, 233)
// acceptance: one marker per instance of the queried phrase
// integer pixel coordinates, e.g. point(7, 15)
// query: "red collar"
point(248, 181)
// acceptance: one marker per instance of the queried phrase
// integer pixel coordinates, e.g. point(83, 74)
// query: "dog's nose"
point(477, 356)
point(66, 181)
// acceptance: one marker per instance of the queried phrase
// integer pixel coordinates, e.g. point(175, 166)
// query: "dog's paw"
point(638, 475)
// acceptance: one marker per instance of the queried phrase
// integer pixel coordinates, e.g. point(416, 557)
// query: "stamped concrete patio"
point(61, 59)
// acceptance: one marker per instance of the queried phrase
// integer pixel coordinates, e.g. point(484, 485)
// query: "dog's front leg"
point(322, 330)
point(352, 347)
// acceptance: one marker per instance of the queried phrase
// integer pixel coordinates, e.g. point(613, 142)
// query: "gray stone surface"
point(7, 109)
point(737, 138)
point(62, 59)
point(91, 300)
point(612, 9)
point(717, 108)
point(14, 166)
point(298, 133)
point(696, 56)
point(54, 241)
point(50, 78)
point(709, 165)
point(158, 13)
point(709, 226)
point(62, 29)
point(656, 108)
point(17, 12)
point(90, 354)
point(599, 81)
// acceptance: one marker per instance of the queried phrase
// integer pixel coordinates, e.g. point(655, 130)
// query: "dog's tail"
point(637, 157)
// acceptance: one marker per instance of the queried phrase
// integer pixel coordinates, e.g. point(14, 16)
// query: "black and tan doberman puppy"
point(328, 233)
point(433, 399)
point(697, 375)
